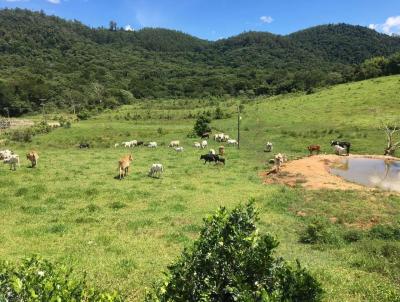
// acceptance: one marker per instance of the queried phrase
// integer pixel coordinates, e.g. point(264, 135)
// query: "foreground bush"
point(231, 261)
point(39, 280)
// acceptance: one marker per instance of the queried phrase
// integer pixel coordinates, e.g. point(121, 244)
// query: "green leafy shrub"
point(353, 236)
point(191, 134)
point(320, 231)
point(385, 232)
point(83, 114)
point(21, 135)
point(231, 261)
point(25, 135)
point(202, 125)
point(39, 280)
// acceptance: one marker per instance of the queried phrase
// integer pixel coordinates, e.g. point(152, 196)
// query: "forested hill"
point(65, 63)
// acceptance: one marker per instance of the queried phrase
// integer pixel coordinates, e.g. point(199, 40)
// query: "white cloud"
point(54, 1)
point(129, 28)
point(266, 19)
point(390, 27)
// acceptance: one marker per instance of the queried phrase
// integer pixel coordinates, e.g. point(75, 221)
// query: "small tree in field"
point(391, 144)
point(202, 125)
point(230, 262)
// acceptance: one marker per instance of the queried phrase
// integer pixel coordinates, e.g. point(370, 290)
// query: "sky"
point(216, 19)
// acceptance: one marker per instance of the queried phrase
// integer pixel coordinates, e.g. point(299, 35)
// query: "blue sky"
point(214, 19)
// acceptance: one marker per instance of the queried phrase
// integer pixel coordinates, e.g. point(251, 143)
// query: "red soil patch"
point(312, 173)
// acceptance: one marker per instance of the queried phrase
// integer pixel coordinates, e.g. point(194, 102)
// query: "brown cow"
point(33, 156)
point(313, 148)
point(123, 165)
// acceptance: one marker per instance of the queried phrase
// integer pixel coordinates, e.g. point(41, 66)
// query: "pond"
point(370, 172)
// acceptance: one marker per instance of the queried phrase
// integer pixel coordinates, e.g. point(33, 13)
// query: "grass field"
point(125, 233)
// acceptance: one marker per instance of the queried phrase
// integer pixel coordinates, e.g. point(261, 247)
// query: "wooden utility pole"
point(238, 127)
point(43, 104)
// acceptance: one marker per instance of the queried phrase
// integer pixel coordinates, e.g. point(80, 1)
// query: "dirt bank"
point(313, 173)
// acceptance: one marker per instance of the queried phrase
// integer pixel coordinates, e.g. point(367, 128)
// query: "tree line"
point(57, 64)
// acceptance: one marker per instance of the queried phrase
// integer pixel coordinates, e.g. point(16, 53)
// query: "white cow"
point(219, 137)
point(13, 161)
point(152, 145)
point(232, 142)
point(174, 144)
point(340, 150)
point(204, 144)
point(268, 147)
point(179, 149)
point(5, 154)
point(156, 170)
point(197, 145)
point(278, 161)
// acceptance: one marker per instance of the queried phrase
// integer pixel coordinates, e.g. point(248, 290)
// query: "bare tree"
point(391, 131)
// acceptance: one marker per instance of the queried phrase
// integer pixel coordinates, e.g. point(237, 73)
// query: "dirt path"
point(313, 173)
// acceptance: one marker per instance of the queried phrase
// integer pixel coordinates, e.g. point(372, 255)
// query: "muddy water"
point(379, 173)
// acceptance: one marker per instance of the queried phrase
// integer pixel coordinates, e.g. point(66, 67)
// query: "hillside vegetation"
point(125, 233)
point(65, 64)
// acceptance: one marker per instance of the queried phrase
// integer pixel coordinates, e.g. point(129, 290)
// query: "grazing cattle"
point(212, 151)
point(313, 148)
point(152, 145)
point(204, 144)
point(219, 159)
point(130, 144)
point(179, 149)
point(197, 145)
point(5, 154)
point(54, 124)
point(206, 135)
point(232, 142)
point(268, 147)
point(140, 143)
point(345, 145)
point(278, 161)
point(84, 146)
point(220, 137)
point(123, 166)
point(174, 144)
point(13, 161)
point(208, 158)
point(156, 170)
point(33, 156)
point(340, 150)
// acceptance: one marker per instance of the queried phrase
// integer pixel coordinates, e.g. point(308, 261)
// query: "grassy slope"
point(124, 233)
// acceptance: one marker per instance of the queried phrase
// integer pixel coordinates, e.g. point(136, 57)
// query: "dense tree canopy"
point(65, 64)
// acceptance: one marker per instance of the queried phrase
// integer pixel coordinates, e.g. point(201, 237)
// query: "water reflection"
point(381, 173)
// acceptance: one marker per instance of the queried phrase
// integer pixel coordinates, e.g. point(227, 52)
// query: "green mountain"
point(66, 64)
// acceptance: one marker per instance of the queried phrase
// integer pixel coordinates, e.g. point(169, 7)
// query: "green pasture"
point(125, 233)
